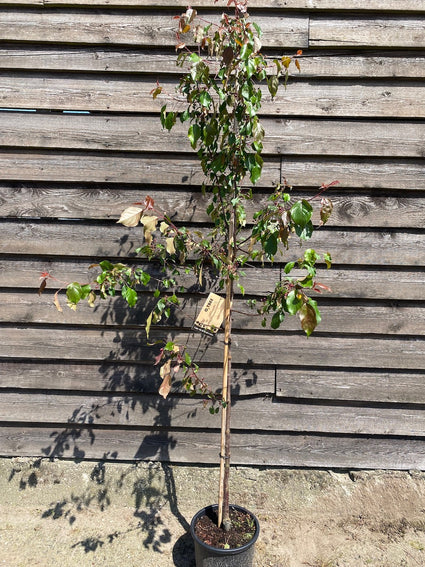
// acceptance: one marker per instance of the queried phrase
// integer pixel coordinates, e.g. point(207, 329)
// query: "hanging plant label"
point(211, 315)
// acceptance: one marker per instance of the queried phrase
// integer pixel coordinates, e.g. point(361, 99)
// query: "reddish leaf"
point(159, 357)
point(228, 55)
point(307, 318)
point(318, 287)
point(148, 203)
point(165, 373)
point(42, 286)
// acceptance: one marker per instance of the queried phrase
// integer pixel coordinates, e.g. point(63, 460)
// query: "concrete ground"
point(62, 513)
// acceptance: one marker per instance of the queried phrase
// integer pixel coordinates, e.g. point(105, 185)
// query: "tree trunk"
point(223, 497)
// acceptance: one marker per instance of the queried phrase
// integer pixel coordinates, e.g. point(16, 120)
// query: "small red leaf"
point(318, 287)
point(148, 203)
point(42, 286)
point(159, 357)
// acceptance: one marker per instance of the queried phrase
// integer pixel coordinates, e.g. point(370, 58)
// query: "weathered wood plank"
point(151, 410)
point(257, 278)
point(186, 447)
point(83, 167)
point(374, 174)
point(287, 137)
point(354, 319)
point(114, 93)
point(306, 171)
point(374, 284)
point(252, 349)
point(380, 248)
point(355, 283)
point(149, 28)
point(381, 387)
point(385, 31)
point(361, 66)
point(350, 209)
point(109, 60)
point(115, 377)
point(358, 5)
point(327, 384)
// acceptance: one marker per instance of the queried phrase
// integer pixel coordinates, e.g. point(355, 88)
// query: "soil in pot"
point(241, 532)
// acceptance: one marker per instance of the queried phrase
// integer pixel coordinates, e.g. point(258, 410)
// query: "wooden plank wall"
point(81, 384)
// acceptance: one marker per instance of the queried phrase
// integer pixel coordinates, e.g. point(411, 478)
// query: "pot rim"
point(219, 550)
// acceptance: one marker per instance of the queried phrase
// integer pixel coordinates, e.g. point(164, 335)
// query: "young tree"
point(222, 99)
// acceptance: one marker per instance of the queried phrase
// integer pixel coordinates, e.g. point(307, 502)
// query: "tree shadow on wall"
point(128, 407)
point(127, 410)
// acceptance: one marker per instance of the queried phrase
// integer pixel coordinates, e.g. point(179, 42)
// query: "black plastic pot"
point(208, 556)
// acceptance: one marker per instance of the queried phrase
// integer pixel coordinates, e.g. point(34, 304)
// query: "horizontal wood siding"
point(81, 139)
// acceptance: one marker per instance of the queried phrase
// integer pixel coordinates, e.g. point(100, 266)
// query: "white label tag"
point(211, 315)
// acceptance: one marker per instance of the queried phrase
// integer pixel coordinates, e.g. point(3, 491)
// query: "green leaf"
point(130, 295)
point(328, 260)
point(148, 324)
point(205, 99)
point(277, 319)
point(311, 256)
point(256, 173)
point(170, 120)
point(294, 302)
point(273, 85)
point(144, 277)
point(257, 131)
point(246, 51)
point(270, 247)
point(184, 116)
point(289, 266)
point(257, 29)
point(301, 212)
point(194, 57)
point(74, 292)
point(85, 290)
point(106, 265)
point(194, 133)
point(305, 232)
point(306, 282)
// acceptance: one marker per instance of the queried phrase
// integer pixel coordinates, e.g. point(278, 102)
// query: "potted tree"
point(222, 99)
